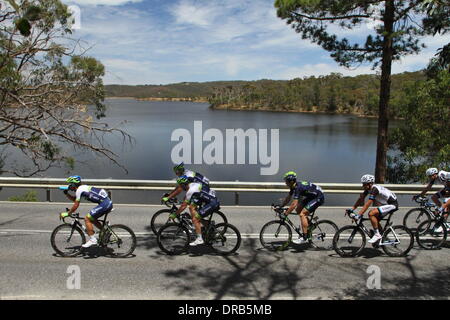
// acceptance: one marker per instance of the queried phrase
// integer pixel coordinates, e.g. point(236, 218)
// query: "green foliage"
point(422, 139)
point(332, 94)
point(30, 196)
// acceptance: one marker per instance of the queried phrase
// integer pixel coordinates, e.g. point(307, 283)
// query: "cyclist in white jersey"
point(201, 204)
point(384, 200)
point(92, 194)
point(442, 177)
point(193, 177)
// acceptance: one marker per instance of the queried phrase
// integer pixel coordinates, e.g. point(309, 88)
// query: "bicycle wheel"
point(275, 235)
point(224, 238)
point(66, 240)
point(349, 241)
point(414, 217)
point(120, 240)
point(431, 237)
point(322, 234)
point(397, 241)
point(159, 219)
point(219, 217)
point(173, 238)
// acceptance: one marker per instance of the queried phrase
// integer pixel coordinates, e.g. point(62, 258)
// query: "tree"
point(50, 96)
point(400, 23)
point(421, 141)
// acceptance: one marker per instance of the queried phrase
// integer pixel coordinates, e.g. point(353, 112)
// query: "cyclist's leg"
point(309, 207)
point(299, 210)
point(208, 209)
point(91, 218)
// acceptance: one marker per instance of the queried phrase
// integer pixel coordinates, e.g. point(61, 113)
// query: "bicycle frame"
point(76, 223)
point(388, 225)
point(311, 219)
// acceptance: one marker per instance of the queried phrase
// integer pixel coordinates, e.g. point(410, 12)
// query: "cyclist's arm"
point(182, 207)
point(366, 206)
point(75, 206)
point(286, 200)
point(427, 188)
point(175, 192)
point(291, 207)
point(70, 197)
point(360, 201)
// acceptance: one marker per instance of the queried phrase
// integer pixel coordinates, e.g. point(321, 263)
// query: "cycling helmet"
point(444, 176)
point(183, 180)
point(367, 178)
point(74, 180)
point(290, 176)
point(431, 171)
point(179, 167)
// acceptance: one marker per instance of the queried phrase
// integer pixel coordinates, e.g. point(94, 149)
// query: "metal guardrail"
point(224, 186)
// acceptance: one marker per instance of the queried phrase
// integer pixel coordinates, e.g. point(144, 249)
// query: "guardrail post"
point(48, 195)
point(236, 198)
point(109, 194)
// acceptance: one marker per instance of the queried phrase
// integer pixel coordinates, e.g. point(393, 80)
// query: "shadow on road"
point(261, 275)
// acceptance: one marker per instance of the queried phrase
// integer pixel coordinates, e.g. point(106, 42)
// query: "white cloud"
point(101, 2)
point(191, 13)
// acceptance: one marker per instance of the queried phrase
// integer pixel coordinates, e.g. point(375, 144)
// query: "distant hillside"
point(333, 93)
point(183, 90)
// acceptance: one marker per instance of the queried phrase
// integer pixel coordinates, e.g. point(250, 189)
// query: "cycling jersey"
point(381, 195)
point(205, 199)
point(305, 189)
point(91, 194)
point(196, 177)
point(384, 198)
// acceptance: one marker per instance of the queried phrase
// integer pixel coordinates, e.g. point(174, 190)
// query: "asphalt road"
point(29, 269)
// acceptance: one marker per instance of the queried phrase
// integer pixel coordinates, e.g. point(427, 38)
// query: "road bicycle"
point(67, 239)
point(161, 217)
point(174, 238)
point(423, 214)
point(276, 235)
point(350, 240)
point(431, 235)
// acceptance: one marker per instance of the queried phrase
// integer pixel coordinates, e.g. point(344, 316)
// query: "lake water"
point(319, 147)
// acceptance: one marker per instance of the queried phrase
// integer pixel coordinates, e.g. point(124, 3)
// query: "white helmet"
point(444, 176)
point(367, 178)
point(431, 171)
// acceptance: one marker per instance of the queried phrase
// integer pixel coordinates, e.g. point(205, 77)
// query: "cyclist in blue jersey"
point(92, 194)
point(192, 176)
point(313, 198)
point(201, 204)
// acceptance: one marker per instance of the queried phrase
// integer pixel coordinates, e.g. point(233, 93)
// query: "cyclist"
point(201, 204)
point(383, 198)
point(96, 195)
point(313, 198)
point(444, 178)
point(193, 177)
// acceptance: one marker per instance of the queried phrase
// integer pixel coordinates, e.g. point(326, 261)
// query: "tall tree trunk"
point(385, 91)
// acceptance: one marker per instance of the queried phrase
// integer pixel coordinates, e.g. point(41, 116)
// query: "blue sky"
point(169, 41)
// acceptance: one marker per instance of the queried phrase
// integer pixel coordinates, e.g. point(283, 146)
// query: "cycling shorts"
point(387, 209)
point(208, 208)
point(311, 204)
point(104, 207)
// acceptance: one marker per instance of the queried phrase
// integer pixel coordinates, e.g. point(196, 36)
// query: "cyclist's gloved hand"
point(349, 211)
point(355, 216)
point(415, 197)
point(173, 216)
point(164, 199)
point(283, 216)
point(64, 214)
